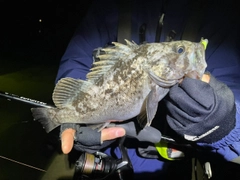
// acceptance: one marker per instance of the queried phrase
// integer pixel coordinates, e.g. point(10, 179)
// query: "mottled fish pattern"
point(128, 81)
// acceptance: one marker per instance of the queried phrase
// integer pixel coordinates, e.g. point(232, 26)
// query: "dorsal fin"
point(109, 58)
point(132, 44)
point(66, 89)
point(94, 75)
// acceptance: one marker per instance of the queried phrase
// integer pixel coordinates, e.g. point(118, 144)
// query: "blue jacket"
point(219, 25)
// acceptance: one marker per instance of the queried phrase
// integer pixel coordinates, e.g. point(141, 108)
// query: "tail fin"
point(44, 117)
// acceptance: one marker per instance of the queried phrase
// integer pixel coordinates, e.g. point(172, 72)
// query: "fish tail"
point(43, 116)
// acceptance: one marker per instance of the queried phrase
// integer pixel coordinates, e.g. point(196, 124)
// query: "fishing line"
point(39, 169)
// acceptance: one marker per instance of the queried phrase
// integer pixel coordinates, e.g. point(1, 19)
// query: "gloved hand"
point(148, 134)
point(89, 140)
point(200, 111)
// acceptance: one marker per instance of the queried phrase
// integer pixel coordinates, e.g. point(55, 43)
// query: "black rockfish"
point(128, 81)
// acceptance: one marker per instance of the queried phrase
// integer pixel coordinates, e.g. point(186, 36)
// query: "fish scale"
point(128, 81)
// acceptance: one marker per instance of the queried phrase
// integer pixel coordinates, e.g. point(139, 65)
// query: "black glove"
point(89, 140)
point(199, 111)
point(86, 139)
point(148, 134)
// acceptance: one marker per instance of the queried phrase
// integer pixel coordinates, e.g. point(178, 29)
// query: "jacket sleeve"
point(97, 29)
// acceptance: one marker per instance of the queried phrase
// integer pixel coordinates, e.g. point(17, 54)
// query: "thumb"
point(112, 133)
point(67, 139)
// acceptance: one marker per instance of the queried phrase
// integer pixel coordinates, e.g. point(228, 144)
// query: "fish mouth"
point(204, 43)
point(201, 61)
point(197, 58)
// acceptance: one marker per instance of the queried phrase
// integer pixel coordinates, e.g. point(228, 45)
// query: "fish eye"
point(180, 49)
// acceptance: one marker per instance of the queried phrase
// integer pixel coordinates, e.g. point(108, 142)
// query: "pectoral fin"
point(150, 106)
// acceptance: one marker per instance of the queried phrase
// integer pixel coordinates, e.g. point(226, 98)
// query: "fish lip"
point(203, 59)
point(199, 64)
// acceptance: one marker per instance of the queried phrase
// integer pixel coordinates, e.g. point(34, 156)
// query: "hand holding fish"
point(128, 81)
point(67, 137)
point(199, 111)
point(88, 139)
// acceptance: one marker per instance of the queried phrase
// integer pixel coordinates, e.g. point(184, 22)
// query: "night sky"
point(22, 34)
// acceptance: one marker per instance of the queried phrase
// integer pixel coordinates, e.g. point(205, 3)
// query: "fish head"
point(179, 59)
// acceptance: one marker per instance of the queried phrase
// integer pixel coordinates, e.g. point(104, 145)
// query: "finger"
point(67, 139)
point(112, 133)
point(149, 133)
point(206, 78)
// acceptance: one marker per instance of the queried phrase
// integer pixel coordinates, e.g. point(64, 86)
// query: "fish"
point(128, 81)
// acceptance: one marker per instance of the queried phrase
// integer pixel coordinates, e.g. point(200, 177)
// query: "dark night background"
point(30, 52)
point(23, 36)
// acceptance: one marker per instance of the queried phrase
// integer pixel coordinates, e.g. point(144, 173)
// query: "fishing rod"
point(34, 102)
point(23, 99)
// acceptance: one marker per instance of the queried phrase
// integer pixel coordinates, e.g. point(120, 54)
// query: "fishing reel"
point(100, 166)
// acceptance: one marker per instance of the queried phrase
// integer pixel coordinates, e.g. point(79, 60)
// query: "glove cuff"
point(65, 126)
